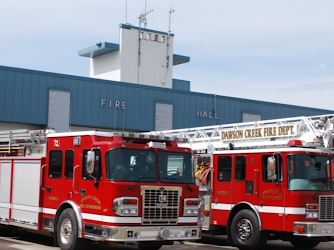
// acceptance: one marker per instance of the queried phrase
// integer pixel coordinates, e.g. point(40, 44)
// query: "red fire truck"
point(266, 180)
point(112, 187)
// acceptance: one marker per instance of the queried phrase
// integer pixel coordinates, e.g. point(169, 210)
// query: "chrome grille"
point(326, 208)
point(160, 205)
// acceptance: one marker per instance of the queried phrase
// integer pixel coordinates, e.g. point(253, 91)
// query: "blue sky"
point(271, 50)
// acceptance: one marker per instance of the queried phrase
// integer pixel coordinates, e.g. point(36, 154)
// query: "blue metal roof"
point(99, 49)
point(178, 59)
point(24, 99)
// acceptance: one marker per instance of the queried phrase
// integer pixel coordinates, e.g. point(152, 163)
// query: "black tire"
point(67, 231)
point(303, 242)
point(155, 247)
point(245, 231)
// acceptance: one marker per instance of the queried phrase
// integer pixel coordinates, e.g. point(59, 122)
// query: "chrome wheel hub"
point(244, 229)
point(66, 233)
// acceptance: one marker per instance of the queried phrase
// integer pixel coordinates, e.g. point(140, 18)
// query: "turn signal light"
point(192, 202)
point(312, 206)
point(130, 202)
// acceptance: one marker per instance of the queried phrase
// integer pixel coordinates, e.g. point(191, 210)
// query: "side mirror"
point(271, 168)
point(90, 162)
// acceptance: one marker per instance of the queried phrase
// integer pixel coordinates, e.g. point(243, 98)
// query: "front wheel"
point(67, 231)
point(303, 242)
point(245, 231)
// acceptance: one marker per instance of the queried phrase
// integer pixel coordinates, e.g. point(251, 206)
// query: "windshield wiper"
point(322, 188)
point(176, 179)
point(138, 180)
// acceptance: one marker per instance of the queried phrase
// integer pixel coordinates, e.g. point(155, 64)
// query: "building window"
point(69, 163)
point(240, 168)
point(148, 36)
point(224, 168)
point(248, 117)
point(163, 39)
point(141, 36)
point(55, 164)
point(156, 38)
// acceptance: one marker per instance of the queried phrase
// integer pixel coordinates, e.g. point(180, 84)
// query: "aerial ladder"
point(312, 131)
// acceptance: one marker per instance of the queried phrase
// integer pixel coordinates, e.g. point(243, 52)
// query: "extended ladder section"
point(314, 131)
point(21, 142)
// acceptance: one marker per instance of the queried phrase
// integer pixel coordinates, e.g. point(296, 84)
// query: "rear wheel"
point(67, 231)
point(303, 242)
point(245, 231)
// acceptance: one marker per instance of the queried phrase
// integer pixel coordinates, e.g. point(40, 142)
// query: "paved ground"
point(21, 240)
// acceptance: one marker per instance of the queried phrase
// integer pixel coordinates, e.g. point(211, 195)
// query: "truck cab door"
point(271, 192)
point(90, 186)
point(222, 187)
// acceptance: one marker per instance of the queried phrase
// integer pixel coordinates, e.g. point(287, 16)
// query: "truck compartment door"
point(26, 194)
point(5, 178)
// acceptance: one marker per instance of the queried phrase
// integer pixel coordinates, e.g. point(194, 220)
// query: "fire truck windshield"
point(308, 172)
point(131, 165)
point(141, 166)
point(175, 167)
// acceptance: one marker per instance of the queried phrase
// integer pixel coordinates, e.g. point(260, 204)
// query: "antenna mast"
point(126, 11)
point(171, 10)
point(142, 19)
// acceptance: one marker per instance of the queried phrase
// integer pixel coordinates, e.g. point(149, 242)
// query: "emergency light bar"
point(144, 136)
point(149, 137)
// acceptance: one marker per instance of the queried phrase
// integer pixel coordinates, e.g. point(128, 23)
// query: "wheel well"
point(59, 211)
point(77, 211)
point(235, 210)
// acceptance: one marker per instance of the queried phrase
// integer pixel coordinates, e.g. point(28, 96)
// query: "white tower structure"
point(143, 56)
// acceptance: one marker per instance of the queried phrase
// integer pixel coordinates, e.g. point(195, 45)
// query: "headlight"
point(126, 206)
point(191, 207)
point(311, 211)
point(191, 212)
point(311, 215)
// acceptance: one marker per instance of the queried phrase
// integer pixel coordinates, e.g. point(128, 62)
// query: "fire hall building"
point(130, 87)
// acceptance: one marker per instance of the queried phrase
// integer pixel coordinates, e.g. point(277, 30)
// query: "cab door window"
point(240, 168)
point(266, 175)
point(69, 162)
point(55, 164)
point(224, 168)
point(97, 174)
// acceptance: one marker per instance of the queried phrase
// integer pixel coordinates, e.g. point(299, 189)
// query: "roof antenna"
point(143, 16)
point(171, 10)
point(126, 11)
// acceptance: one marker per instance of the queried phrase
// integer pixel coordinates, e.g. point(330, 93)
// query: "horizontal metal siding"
point(24, 99)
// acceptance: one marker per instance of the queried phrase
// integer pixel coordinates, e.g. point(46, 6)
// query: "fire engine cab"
point(112, 187)
point(266, 180)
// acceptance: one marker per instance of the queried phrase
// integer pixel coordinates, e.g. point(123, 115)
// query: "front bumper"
point(130, 234)
point(314, 229)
